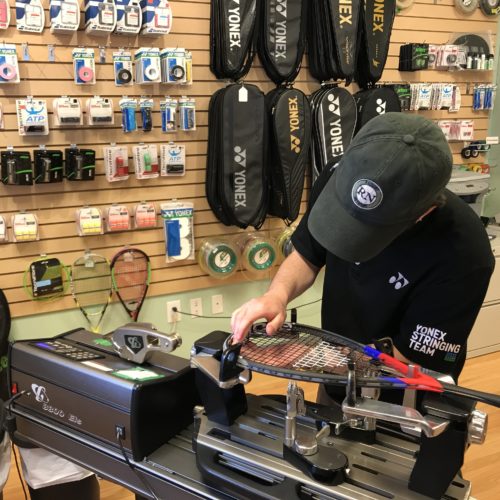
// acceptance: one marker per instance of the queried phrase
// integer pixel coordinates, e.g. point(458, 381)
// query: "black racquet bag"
point(334, 116)
point(232, 37)
point(281, 37)
point(377, 18)
point(374, 102)
point(289, 143)
point(332, 39)
point(236, 179)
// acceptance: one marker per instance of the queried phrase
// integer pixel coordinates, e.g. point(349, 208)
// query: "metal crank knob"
point(478, 425)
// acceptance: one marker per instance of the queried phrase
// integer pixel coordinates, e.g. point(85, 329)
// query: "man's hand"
point(270, 306)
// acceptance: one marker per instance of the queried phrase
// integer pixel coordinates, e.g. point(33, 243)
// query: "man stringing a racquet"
point(404, 257)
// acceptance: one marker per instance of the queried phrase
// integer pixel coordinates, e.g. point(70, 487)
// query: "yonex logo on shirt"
point(428, 340)
point(398, 281)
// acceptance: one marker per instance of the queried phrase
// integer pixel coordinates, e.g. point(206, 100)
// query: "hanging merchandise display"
point(4, 14)
point(147, 65)
point(156, 17)
point(116, 163)
point(334, 117)
point(48, 165)
point(30, 16)
point(32, 116)
point(284, 243)
point(16, 168)
point(483, 97)
point(146, 161)
point(79, 164)
point(45, 278)
point(178, 227)
point(4, 236)
point(24, 227)
point(173, 159)
point(457, 130)
point(64, 16)
point(281, 38)
point(413, 56)
point(232, 36)
point(128, 17)
point(236, 177)
point(490, 7)
point(89, 221)
point(258, 253)
point(100, 17)
point(9, 67)
point(168, 109)
point(100, 111)
point(466, 6)
point(333, 38)
point(145, 215)
point(67, 111)
point(218, 257)
point(187, 114)
point(118, 218)
point(122, 66)
point(146, 108)
point(377, 18)
point(288, 153)
point(128, 108)
point(84, 66)
point(176, 66)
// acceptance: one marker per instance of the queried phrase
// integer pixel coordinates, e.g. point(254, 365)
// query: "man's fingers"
point(275, 324)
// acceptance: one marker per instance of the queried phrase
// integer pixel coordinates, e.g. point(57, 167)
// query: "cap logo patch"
point(366, 194)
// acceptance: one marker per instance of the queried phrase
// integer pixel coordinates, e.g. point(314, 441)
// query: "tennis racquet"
point(310, 354)
point(131, 274)
point(91, 287)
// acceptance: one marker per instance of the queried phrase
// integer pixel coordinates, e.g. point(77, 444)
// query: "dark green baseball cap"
point(392, 172)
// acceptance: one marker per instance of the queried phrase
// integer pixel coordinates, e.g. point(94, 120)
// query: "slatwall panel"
point(55, 204)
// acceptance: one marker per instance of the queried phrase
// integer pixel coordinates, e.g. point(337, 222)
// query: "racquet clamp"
point(137, 342)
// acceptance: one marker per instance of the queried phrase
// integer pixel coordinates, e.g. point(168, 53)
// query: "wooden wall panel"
point(431, 21)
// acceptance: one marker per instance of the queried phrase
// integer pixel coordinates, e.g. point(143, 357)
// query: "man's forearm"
point(294, 277)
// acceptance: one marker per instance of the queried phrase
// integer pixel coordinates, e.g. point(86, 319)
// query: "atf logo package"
point(232, 30)
point(332, 38)
point(334, 119)
point(290, 137)
point(236, 180)
point(281, 37)
point(377, 19)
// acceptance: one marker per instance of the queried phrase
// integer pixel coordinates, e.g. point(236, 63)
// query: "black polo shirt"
point(424, 290)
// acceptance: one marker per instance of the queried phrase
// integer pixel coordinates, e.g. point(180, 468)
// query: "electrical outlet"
point(171, 315)
point(217, 304)
point(196, 307)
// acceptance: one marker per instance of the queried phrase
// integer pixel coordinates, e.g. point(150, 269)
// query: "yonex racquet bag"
point(332, 37)
point(374, 102)
point(281, 37)
point(289, 142)
point(377, 18)
point(236, 179)
point(334, 115)
point(232, 37)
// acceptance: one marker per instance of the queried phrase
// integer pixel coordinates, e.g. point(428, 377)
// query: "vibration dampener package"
point(30, 16)
point(100, 17)
point(156, 17)
point(64, 16)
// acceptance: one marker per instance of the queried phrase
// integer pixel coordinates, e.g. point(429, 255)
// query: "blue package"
point(173, 237)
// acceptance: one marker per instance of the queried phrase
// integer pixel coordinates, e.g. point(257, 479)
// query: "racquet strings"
point(131, 274)
point(91, 287)
point(304, 352)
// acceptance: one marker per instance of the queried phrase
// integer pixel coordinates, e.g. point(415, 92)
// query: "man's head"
point(391, 174)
